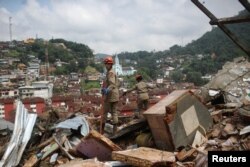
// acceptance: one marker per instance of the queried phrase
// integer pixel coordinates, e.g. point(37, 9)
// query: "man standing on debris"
point(142, 95)
point(110, 93)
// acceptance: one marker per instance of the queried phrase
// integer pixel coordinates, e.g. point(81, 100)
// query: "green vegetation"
point(177, 76)
point(91, 84)
point(90, 70)
point(78, 56)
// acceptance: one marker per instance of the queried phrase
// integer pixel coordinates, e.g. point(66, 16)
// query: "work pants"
point(112, 108)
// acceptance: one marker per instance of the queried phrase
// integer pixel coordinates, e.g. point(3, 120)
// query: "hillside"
point(214, 42)
point(100, 55)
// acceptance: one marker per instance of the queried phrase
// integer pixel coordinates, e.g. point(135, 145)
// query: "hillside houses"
point(41, 91)
point(6, 92)
point(128, 71)
point(60, 63)
point(167, 71)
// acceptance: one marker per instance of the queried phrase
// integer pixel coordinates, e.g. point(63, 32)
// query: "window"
point(1, 114)
point(33, 106)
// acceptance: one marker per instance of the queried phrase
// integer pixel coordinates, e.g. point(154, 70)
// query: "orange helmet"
point(108, 60)
point(138, 77)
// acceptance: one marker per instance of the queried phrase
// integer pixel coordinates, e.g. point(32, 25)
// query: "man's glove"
point(105, 91)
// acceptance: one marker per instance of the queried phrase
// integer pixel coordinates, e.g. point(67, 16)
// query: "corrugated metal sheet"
point(75, 123)
point(24, 123)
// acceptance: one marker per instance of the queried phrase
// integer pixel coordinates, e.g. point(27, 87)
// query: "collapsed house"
point(78, 137)
point(231, 82)
point(230, 87)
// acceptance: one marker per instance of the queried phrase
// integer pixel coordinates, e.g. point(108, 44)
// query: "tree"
point(24, 58)
point(61, 70)
point(98, 67)
point(72, 66)
point(82, 63)
point(177, 76)
point(195, 77)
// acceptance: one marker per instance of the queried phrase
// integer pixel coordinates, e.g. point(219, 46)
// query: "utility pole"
point(10, 28)
point(46, 61)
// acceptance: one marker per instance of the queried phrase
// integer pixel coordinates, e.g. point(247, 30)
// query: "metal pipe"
point(246, 4)
point(221, 26)
point(230, 20)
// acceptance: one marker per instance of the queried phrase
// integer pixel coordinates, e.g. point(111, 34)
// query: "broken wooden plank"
point(130, 127)
point(62, 148)
point(184, 154)
point(43, 144)
point(50, 149)
point(145, 157)
point(32, 161)
point(97, 145)
point(81, 162)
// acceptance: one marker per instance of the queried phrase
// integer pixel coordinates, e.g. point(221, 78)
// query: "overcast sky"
point(112, 26)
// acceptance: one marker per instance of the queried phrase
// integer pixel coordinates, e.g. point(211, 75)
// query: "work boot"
point(136, 115)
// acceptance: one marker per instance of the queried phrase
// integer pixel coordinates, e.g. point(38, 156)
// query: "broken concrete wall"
point(233, 80)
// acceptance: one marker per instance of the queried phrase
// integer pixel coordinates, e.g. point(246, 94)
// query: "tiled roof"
point(61, 98)
point(33, 100)
point(7, 100)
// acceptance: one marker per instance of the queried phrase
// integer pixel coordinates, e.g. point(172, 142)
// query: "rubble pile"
point(178, 130)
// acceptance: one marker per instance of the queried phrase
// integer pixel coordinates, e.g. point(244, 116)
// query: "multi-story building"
point(7, 109)
point(26, 91)
point(73, 78)
point(35, 104)
point(43, 89)
point(2, 113)
point(33, 70)
point(6, 92)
